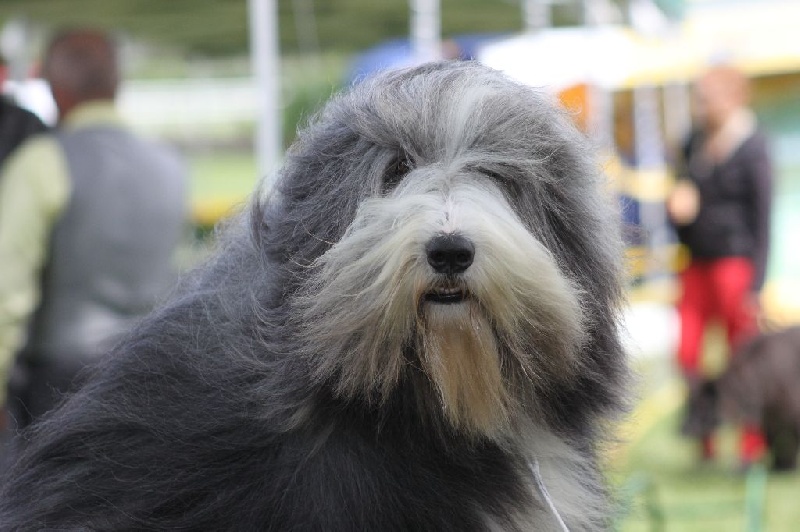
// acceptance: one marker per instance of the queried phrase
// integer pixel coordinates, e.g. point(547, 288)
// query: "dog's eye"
point(496, 176)
point(397, 169)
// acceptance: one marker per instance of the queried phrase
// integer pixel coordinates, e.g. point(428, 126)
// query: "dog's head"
point(448, 225)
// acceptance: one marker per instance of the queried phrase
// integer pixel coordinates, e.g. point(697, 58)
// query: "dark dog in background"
point(761, 388)
point(417, 331)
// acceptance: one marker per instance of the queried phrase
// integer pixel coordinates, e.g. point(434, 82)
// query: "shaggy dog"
point(417, 330)
point(760, 388)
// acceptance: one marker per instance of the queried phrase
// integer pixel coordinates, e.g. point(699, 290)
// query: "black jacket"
point(16, 124)
point(735, 201)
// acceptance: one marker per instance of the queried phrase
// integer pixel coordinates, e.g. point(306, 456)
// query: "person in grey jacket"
point(90, 217)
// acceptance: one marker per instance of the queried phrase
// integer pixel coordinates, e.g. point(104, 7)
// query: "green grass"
point(220, 183)
point(658, 473)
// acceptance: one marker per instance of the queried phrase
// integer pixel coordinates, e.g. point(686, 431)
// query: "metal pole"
point(676, 113)
point(652, 164)
point(426, 39)
point(536, 14)
point(305, 23)
point(14, 39)
point(265, 61)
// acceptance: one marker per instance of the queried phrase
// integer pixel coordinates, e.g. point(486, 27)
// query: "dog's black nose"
point(450, 254)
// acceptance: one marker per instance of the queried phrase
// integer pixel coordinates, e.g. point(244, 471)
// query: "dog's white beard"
point(364, 308)
point(458, 351)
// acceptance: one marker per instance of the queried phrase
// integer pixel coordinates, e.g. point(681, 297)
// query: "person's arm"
point(760, 169)
point(683, 200)
point(34, 189)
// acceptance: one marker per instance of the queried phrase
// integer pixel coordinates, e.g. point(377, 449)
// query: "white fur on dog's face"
point(520, 327)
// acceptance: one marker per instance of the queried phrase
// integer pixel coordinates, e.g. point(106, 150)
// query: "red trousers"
point(714, 289)
point(717, 289)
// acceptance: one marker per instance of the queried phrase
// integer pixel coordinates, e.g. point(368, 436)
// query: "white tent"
point(561, 57)
point(759, 37)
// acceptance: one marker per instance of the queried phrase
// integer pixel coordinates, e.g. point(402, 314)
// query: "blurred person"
point(721, 209)
point(16, 125)
point(90, 216)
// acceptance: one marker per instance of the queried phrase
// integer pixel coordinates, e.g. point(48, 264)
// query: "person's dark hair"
point(84, 62)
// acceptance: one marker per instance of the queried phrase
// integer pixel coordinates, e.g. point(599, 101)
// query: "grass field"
point(665, 489)
point(220, 183)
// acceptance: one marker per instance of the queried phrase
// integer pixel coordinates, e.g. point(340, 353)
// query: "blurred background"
point(228, 82)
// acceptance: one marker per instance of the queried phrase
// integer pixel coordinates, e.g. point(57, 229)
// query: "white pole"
point(426, 38)
point(265, 61)
point(536, 14)
point(677, 113)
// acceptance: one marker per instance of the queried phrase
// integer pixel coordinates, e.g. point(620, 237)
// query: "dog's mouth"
point(446, 295)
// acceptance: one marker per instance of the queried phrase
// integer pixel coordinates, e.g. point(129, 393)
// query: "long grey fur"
point(279, 389)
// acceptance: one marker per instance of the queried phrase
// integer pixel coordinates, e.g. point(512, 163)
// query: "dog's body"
point(422, 315)
point(759, 388)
